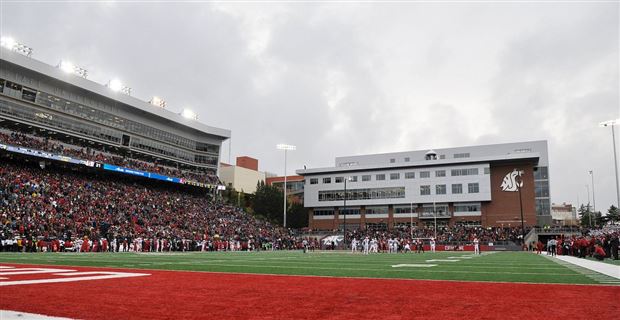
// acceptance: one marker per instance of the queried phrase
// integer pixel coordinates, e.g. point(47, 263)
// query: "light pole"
point(285, 147)
point(411, 222)
point(519, 186)
point(593, 199)
point(344, 210)
point(612, 123)
point(435, 216)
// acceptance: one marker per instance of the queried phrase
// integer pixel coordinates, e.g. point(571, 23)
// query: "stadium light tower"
point(11, 44)
point(117, 86)
point(612, 123)
point(285, 147)
point(189, 114)
point(69, 67)
point(157, 101)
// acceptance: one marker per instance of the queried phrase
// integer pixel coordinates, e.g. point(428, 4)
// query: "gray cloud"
point(342, 79)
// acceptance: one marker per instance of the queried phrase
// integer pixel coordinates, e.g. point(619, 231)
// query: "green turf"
point(501, 266)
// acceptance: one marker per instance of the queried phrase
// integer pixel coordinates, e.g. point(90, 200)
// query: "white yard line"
point(600, 267)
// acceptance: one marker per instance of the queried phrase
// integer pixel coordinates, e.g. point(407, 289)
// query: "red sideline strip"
point(203, 295)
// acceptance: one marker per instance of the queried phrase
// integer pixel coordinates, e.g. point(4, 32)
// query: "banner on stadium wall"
point(105, 166)
point(43, 154)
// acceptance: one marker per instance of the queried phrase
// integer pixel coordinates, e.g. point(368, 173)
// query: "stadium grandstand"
point(53, 113)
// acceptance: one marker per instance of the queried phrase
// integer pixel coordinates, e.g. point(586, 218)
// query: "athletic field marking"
point(414, 265)
point(21, 271)
point(442, 260)
point(82, 276)
point(16, 315)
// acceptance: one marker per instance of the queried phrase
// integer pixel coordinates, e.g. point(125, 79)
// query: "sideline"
point(16, 315)
point(600, 267)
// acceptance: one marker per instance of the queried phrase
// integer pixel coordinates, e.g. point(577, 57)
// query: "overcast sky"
point(340, 79)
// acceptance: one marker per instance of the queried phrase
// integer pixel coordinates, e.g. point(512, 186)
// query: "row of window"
point(443, 156)
point(439, 209)
point(101, 117)
point(457, 188)
point(33, 114)
point(396, 175)
point(363, 194)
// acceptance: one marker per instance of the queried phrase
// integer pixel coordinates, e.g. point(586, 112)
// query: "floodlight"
point(13, 45)
point(283, 146)
point(115, 85)
point(69, 67)
point(189, 114)
point(157, 101)
point(8, 42)
point(609, 123)
point(66, 66)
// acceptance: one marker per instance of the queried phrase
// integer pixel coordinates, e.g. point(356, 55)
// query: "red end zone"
point(202, 295)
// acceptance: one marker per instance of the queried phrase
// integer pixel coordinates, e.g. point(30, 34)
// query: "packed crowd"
point(443, 235)
point(63, 210)
point(598, 243)
point(59, 148)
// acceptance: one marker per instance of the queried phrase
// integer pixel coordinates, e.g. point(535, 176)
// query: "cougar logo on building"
point(510, 181)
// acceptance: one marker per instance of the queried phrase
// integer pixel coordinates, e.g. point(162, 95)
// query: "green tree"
point(268, 202)
point(586, 218)
point(297, 216)
point(613, 215)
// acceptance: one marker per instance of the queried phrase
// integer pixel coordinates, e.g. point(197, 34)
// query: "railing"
point(431, 215)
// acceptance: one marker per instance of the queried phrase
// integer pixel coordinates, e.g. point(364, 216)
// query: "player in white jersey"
point(432, 244)
point(374, 245)
point(354, 245)
point(407, 247)
point(366, 245)
point(476, 246)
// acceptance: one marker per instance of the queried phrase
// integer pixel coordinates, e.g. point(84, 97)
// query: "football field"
point(294, 285)
point(489, 266)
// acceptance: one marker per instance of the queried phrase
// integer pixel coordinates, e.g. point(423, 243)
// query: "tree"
point(268, 201)
point(297, 216)
point(613, 215)
point(585, 216)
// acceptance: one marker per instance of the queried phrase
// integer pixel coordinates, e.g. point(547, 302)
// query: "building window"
point(487, 170)
point(380, 177)
point(363, 194)
point(440, 189)
point(348, 211)
point(440, 173)
point(464, 172)
point(461, 155)
point(467, 207)
point(425, 174)
point(404, 208)
point(338, 179)
point(409, 175)
point(442, 156)
point(376, 210)
point(327, 180)
point(541, 173)
point(366, 177)
point(314, 180)
point(457, 188)
point(353, 178)
point(407, 159)
point(392, 160)
point(473, 188)
point(425, 190)
point(394, 176)
point(323, 212)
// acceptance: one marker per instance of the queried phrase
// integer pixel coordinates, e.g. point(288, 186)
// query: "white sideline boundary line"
point(600, 267)
point(17, 315)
